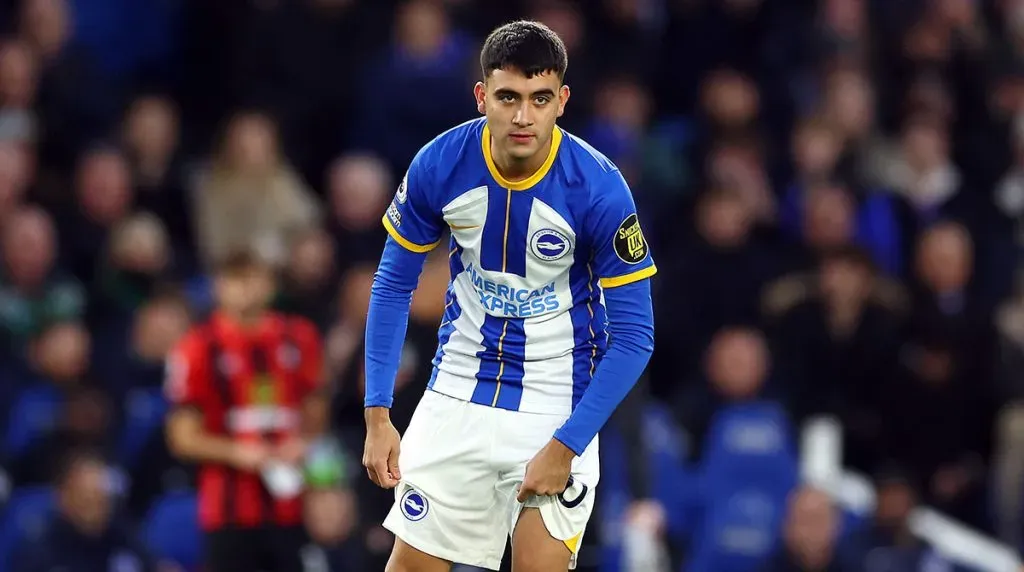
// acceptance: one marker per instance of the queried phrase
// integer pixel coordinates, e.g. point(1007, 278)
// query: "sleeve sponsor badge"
point(629, 242)
point(402, 194)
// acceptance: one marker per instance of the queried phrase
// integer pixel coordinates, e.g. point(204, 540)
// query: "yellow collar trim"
point(522, 185)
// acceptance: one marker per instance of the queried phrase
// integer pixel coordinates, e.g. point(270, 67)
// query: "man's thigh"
point(558, 521)
point(447, 504)
point(534, 549)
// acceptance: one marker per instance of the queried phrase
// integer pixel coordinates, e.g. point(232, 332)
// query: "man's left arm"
point(623, 264)
point(631, 332)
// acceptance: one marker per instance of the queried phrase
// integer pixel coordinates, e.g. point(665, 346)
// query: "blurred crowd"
point(833, 190)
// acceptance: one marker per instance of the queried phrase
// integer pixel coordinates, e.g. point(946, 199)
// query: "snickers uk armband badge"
point(629, 242)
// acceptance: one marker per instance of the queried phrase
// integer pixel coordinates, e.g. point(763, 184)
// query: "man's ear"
point(480, 92)
point(563, 98)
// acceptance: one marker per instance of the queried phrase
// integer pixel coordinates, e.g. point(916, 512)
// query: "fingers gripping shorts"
point(462, 464)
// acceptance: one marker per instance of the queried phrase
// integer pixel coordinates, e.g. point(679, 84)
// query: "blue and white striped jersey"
point(524, 323)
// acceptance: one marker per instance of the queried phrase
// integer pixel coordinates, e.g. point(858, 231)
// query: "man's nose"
point(523, 117)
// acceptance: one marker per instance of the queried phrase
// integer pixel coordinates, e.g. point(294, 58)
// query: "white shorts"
point(462, 464)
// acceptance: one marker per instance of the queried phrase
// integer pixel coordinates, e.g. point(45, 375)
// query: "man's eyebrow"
point(506, 91)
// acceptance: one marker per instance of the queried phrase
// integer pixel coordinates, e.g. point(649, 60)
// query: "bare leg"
point(405, 558)
point(533, 547)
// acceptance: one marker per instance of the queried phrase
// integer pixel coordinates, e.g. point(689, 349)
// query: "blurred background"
point(833, 190)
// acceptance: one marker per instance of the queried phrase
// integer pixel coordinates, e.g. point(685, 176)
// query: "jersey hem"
point(559, 411)
point(406, 243)
point(636, 276)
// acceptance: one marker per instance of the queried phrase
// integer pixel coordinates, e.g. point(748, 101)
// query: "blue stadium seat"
point(35, 411)
point(199, 291)
point(172, 530)
point(145, 409)
point(748, 471)
point(25, 516)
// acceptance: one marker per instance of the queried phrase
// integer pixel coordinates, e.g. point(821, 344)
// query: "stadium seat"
point(145, 409)
point(748, 470)
point(172, 530)
point(199, 291)
point(35, 411)
point(24, 516)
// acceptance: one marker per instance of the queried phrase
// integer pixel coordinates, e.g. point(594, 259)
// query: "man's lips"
point(521, 137)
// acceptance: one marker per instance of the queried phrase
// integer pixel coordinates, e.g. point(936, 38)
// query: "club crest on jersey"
point(402, 194)
point(629, 242)
point(549, 244)
point(413, 505)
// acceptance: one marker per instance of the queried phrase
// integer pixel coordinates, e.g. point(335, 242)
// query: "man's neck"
point(243, 320)
point(518, 169)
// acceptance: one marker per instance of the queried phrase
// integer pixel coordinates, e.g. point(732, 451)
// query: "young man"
point(245, 391)
point(547, 262)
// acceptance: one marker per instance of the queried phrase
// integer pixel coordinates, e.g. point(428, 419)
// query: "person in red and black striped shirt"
point(245, 386)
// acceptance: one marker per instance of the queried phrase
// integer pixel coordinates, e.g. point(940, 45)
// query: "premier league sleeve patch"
point(629, 242)
point(402, 194)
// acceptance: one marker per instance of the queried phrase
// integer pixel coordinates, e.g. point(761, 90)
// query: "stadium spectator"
point(358, 188)
point(250, 197)
point(151, 138)
point(736, 370)
point(929, 425)
point(887, 543)
point(307, 284)
point(19, 79)
point(16, 174)
point(131, 352)
point(84, 421)
point(811, 536)
point(246, 390)
point(427, 62)
point(35, 293)
point(734, 268)
point(85, 532)
point(76, 103)
point(56, 376)
point(331, 518)
point(104, 198)
point(137, 259)
point(836, 335)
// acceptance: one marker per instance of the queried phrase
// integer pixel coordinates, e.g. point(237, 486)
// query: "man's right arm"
point(413, 221)
point(185, 388)
point(386, 323)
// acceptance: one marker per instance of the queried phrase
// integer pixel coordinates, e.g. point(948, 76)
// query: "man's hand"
point(380, 453)
point(249, 457)
point(292, 451)
point(548, 472)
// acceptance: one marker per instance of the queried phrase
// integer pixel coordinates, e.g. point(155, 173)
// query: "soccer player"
point(245, 387)
point(548, 263)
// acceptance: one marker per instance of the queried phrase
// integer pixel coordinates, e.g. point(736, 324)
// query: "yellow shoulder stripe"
point(412, 246)
point(614, 281)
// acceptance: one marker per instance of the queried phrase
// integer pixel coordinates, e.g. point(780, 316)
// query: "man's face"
point(521, 111)
point(245, 293)
point(85, 498)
